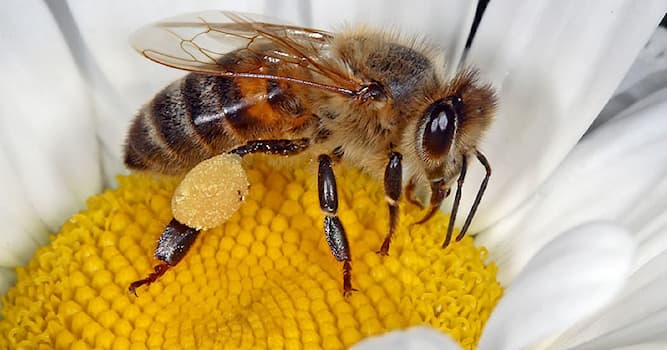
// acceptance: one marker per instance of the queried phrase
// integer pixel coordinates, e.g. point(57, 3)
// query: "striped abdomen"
point(200, 116)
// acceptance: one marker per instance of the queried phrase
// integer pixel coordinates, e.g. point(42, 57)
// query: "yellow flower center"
point(265, 279)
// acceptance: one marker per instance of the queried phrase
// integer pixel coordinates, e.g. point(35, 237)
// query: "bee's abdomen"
point(184, 124)
point(200, 116)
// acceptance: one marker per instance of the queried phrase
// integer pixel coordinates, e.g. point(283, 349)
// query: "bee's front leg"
point(393, 177)
point(333, 227)
point(439, 191)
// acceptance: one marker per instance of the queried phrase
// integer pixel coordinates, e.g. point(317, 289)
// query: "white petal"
point(23, 230)
point(416, 338)
point(615, 173)
point(646, 75)
point(651, 328)
point(637, 315)
point(649, 219)
point(555, 64)
point(49, 148)
point(646, 346)
point(570, 278)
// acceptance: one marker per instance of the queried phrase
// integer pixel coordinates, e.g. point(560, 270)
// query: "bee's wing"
point(196, 42)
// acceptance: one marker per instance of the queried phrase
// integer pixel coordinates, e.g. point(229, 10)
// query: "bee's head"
point(452, 125)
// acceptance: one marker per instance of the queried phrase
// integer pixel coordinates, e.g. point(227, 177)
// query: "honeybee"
point(366, 97)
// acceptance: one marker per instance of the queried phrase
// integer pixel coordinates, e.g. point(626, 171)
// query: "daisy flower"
point(572, 228)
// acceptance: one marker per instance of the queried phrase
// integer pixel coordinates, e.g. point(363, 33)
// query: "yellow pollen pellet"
point(211, 192)
point(263, 279)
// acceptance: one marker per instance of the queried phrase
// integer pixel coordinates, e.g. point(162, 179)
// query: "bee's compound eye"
point(438, 129)
point(211, 192)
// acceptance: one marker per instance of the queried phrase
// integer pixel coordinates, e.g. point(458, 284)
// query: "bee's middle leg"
point(333, 227)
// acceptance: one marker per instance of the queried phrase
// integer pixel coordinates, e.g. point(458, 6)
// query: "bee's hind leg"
point(174, 243)
point(275, 147)
point(333, 227)
point(177, 238)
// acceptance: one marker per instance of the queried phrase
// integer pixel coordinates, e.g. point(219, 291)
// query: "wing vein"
point(199, 42)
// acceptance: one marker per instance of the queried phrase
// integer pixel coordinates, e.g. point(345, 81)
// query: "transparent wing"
point(197, 42)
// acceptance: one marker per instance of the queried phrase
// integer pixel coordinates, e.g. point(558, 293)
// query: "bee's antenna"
point(482, 159)
point(457, 201)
